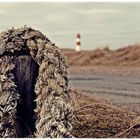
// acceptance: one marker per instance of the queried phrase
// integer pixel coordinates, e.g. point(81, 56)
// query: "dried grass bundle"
point(53, 111)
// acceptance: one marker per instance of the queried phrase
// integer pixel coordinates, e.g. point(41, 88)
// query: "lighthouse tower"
point(78, 43)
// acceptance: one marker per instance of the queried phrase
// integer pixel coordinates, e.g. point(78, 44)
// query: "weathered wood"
point(26, 72)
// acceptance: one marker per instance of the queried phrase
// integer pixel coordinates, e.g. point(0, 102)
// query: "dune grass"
point(95, 118)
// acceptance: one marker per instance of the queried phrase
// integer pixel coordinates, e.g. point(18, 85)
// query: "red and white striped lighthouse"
point(78, 43)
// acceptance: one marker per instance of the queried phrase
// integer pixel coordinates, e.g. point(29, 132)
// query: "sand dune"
point(127, 56)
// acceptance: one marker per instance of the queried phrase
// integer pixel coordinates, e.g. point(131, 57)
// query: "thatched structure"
point(34, 95)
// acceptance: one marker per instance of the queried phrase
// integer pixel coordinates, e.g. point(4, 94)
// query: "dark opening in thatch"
point(26, 72)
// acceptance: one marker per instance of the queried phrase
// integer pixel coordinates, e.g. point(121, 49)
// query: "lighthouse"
point(78, 43)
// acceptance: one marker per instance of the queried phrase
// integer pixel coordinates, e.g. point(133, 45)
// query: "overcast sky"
point(100, 24)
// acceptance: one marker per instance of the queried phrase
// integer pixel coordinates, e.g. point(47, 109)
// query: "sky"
point(100, 24)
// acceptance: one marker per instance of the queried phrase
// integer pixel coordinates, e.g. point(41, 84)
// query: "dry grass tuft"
point(98, 119)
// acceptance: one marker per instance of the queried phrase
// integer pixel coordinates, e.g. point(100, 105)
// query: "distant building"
point(78, 43)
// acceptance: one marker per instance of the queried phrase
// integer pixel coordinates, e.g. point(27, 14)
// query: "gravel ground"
point(120, 90)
